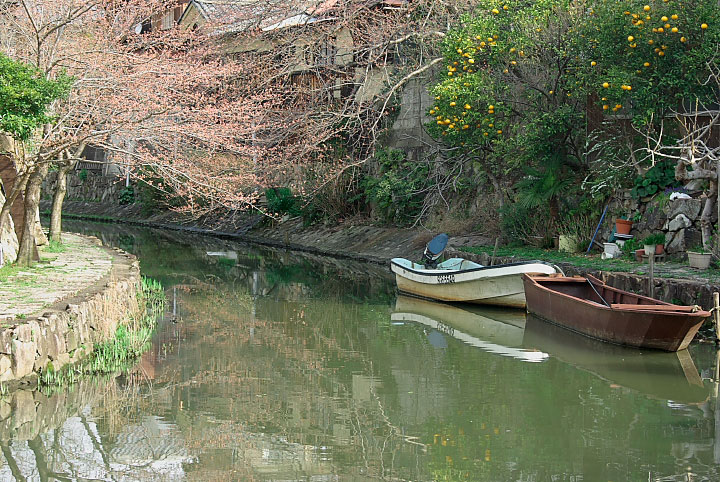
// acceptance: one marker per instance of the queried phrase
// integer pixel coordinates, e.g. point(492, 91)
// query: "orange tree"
point(643, 59)
point(509, 97)
point(650, 66)
point(521, 79)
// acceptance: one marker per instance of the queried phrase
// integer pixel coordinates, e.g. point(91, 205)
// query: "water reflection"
point(273, 366)
point(666, 376)
point(495, 330)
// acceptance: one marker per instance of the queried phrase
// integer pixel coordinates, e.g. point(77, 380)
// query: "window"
point(327, 52)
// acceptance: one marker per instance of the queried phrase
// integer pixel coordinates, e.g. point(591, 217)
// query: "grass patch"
point(121, 353)
point(7, 271)
point(552, 256)
point(55, 247)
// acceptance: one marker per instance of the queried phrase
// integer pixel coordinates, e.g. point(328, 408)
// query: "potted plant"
point(623, 225)
point(699, 257)
point(651, 242)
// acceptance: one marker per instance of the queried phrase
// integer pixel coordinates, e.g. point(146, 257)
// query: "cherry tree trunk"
point(58, 198)
point(27, 252)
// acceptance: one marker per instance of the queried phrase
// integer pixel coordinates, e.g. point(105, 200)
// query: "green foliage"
point(281, 201)
point(397, 191)
point(520, 80)
point(657, 178)
point(629, 248)
point(7, 271)
point(25, 97)
point(654, 239)
point(645, 58)
point(83, 174)
point(56, 247)
point(127, 195)
point(509, 97)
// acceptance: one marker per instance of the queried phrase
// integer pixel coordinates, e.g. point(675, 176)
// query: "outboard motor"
point(434, 249)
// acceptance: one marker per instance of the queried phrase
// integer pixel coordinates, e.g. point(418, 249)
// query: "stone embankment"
point(54, 312)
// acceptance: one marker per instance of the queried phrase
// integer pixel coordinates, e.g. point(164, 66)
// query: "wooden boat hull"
point(500, 285)
point(636, 320)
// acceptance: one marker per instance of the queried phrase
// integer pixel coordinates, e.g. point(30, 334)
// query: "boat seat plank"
point(682, 309)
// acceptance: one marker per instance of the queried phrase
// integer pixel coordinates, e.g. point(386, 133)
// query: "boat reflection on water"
point(495, 330)
point(666, 376)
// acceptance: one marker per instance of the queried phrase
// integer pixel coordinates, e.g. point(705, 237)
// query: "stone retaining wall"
point(67, 331)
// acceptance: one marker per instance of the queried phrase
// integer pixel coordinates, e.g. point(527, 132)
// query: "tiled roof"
point(240, 15)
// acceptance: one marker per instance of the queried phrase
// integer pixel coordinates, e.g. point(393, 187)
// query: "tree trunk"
point(41, 238)
point(27, 252)
point(706, 217)
point(58, 198)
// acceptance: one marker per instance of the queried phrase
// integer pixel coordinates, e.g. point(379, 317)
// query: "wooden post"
point(651, 276)
point(492, 260)
point(716, 315)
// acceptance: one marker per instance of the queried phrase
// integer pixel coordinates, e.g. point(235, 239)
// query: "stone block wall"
point(94, 188)
point(66, 334)
point(678, 220)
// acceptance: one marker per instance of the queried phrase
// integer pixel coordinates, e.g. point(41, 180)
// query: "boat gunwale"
point(594, 305)
point(438, 272)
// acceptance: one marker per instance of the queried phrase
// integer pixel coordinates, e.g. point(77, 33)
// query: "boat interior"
point(449, 264)
point(592, 289)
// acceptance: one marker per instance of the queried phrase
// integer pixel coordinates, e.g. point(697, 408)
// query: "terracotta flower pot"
point(639, 253)
point(623, 226)
point(659, 248)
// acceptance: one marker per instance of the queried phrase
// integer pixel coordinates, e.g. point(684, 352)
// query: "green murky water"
point(274, 366)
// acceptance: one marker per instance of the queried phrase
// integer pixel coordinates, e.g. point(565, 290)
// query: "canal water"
point(270, 365)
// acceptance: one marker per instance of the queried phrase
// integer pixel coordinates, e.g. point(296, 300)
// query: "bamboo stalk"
point(651, 277)
point(716, 314)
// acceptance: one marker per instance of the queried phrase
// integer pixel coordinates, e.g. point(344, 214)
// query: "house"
point(163, 20)
point(317, 53)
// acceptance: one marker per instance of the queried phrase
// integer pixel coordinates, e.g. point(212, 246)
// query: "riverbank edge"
point(673, 290)
point(67, 330)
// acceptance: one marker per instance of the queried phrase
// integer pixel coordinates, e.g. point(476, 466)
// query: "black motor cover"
point(434, 249)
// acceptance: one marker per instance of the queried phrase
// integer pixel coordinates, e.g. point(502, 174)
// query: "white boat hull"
point(500, 285)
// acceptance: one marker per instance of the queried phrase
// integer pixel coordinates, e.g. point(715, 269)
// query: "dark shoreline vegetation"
point(120, 353)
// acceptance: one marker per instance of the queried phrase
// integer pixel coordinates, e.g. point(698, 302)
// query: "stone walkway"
point(27, 291)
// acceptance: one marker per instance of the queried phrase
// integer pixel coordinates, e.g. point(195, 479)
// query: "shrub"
point(655, 238)
point(657, 178)
point(398, 191)
point(530, 226)
point(127, 195)
point(281, 201)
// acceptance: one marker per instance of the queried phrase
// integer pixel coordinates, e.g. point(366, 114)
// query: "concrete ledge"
point(67, 330)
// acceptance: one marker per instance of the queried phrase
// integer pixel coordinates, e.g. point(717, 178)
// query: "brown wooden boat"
point(590, 307)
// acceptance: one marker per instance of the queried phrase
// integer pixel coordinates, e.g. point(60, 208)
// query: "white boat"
point(458, 279)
